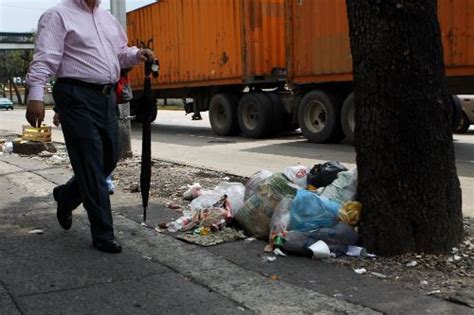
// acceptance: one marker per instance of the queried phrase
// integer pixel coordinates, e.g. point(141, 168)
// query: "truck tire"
point(464, 124)
point(255, 115)
point(319, 116)
point(457, 113)
point(348, 117)
point(223, 114)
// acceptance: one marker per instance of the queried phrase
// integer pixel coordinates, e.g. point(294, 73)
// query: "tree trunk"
point(408, 184)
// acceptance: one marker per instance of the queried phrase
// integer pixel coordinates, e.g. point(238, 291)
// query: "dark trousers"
point(89, 123)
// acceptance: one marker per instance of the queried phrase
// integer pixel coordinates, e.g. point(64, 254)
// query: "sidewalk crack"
point(12, 297)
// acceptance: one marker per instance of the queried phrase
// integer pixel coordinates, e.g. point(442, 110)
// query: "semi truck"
point(261, 67)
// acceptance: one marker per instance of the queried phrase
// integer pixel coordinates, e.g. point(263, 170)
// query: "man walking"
point(85, 47)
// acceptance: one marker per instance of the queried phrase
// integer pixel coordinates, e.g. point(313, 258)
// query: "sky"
point(23, 16)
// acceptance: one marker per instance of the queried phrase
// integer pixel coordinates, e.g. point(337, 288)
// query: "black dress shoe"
point(110, 246)
point(64, 216)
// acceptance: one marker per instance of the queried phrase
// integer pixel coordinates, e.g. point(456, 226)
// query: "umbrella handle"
point(153, 68)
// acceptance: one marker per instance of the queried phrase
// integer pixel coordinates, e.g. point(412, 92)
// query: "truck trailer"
point(261, 67)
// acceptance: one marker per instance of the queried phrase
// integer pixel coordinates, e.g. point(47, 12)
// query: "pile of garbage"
point(302, 211)
point(210, 214)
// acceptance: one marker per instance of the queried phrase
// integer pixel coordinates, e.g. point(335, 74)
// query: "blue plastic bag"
point(310, 212)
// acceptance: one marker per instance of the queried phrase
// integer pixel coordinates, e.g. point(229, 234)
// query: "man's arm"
point(46, 60)
point(130, 56)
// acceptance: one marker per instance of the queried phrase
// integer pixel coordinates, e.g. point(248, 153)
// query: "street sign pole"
point(119, 10)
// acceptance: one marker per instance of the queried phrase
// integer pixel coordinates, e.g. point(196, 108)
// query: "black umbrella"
point(146, 114)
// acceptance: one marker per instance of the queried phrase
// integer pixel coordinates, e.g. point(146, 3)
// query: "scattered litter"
point(434, 292)
point(274, 277)
point(147, 257)
point(214, 238)
point(379, 275)
point(350, 212)
point(158, 230)
point(338, 295)
point(343, 189)
point(412, 263)
point(270, 258)
point(268, 248)
point(256, 214)
point(310, 212)
point(278, 252)
point(227, 178)
point(194, 191)
point(45, 154)
point(322, 175)
point(457, 258)
point(57, 159)
point(178, 224)
point(37, 232)
point(360, 271)
point(250, 239)
point(7, 147)
point(424, 282)
point(173, 206)
point(320, 250)
point(298, 175)
point(241, 308)
point(144, 224)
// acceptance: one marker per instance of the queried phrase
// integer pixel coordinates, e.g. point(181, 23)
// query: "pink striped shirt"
point(76, 42)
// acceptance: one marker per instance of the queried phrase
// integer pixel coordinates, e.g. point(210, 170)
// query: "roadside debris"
point(412, 263)
point(379, 275)
point(7, 147)
point(194, 191)
point(36, 231)
point(360, 271)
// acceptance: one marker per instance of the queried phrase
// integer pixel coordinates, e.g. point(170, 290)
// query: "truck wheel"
point(348, 117)
point(255, 115)
point(457, 113)
point(223, 114)
point(319, 116)
point(464, 124)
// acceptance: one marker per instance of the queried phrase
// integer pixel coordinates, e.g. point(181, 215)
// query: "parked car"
point(467, 116)
point(6, 103)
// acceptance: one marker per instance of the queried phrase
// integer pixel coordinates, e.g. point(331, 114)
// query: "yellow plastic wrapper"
point(350, 212)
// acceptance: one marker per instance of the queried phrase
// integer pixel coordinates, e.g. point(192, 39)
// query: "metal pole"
point(119, 10)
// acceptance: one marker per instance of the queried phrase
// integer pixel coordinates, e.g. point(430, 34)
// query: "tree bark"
point(408, 183)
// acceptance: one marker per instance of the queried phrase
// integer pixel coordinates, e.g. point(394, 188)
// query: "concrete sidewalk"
point(60, 272)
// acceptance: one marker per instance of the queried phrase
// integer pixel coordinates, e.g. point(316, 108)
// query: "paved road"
point(177, 138)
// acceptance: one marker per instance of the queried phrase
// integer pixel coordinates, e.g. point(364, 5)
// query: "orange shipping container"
point(211, 42)
point(318, 39)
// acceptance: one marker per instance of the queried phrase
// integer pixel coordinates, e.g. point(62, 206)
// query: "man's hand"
point(146, 54)
point(35, 113)
point(56, 120)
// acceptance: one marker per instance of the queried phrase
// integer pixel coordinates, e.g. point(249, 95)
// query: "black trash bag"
point(338, 238)
point(322, 175)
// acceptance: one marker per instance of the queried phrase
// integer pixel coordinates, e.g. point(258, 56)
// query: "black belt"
point(103, 88)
